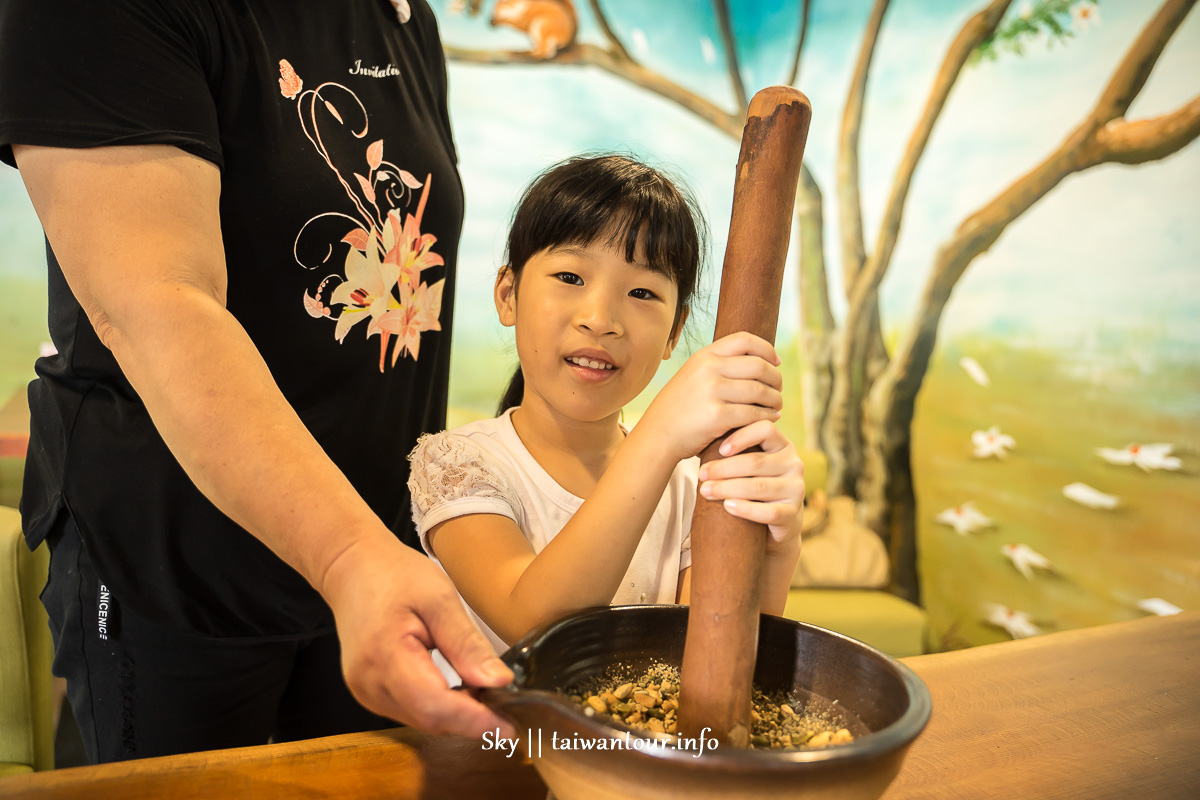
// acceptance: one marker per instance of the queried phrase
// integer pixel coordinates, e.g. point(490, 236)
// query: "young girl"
point(555, 506)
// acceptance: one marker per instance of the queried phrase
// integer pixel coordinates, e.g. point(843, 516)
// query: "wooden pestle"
point(727, 552)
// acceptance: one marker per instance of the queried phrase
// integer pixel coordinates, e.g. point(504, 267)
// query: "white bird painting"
point(992, 443)
point(1092, 498)
point(976, 372)
point(1016, 623)
point(965, 518)
point(1156, 605)
point(1025, 558)
point(1144, 456)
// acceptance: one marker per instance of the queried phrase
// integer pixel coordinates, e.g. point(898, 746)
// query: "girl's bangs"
point(621, 203)
point(666, 234)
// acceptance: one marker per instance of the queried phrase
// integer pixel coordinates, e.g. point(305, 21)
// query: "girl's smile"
point(592, 364)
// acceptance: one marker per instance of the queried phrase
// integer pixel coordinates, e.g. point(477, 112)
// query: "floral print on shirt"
point(381, 282)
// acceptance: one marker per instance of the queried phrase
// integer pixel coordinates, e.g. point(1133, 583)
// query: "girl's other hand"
point(765, 487)
point(731, 383)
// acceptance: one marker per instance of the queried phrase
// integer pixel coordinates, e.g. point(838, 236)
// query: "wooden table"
point(1107, 712)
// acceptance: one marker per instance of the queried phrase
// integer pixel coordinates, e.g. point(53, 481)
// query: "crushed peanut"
point(651, 702)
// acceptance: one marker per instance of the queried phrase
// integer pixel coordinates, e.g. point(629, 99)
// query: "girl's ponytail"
point(514, 394)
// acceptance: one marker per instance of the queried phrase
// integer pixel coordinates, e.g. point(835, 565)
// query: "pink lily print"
point(417, 311)
point(413, 252)
point(367, 288)
point(382, 279)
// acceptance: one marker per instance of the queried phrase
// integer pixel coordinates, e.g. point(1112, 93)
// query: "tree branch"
point(978, 28)
point(842, 432)
point(1139, 141)
point(816, 317)
point(800, 44)
point(1130, 76)
point(849, 203)
point(582, 55)
point(731, 59)
point(602, 20)
point(861, 347)
point(1090, 144)
point(815, 311)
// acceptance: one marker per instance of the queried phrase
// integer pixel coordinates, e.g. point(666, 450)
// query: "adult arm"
point(137, 232)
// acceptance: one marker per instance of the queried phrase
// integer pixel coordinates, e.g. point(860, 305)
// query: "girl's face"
point(591, 328)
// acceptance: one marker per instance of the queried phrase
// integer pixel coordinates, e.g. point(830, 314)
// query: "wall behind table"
point(1080, 318)
point(1081, 315)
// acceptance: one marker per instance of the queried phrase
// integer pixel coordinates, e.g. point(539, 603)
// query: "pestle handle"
point(727, 552)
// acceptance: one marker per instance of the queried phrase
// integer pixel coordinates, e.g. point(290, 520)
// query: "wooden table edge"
point(404, 762)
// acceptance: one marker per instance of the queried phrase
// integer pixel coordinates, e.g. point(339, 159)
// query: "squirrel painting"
point(550, 24)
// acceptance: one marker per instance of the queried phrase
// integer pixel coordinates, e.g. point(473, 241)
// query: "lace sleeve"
point(451, 477)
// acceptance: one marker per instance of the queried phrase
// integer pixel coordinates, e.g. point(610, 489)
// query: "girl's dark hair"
point(616, 199)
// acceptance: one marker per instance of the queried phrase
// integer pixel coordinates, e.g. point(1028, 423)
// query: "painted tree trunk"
point(887, 501)
point(816, 317)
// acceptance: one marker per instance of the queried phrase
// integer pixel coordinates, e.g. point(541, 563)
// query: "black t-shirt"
point(341, 209)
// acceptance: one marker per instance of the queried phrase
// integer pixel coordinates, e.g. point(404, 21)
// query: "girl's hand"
point(731, 383)
point(765, 487)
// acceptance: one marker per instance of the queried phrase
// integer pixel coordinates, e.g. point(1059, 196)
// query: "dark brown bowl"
point(888, 698)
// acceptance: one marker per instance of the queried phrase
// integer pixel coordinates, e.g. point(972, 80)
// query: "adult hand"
point(392, 605)
point(765, 487)
point(731, 383)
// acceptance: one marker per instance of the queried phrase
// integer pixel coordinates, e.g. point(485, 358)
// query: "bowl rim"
point(893, 738)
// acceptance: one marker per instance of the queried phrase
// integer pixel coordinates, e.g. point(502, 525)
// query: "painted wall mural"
point(989, 317)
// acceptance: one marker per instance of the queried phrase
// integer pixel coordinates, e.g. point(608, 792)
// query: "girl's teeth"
point(583, 362)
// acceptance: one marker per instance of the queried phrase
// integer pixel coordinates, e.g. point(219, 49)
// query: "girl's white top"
point(484, 468)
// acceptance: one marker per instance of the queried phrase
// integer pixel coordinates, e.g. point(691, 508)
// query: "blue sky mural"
point(1110, 250)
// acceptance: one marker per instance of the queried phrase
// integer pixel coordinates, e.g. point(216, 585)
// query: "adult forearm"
point(213, 400)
